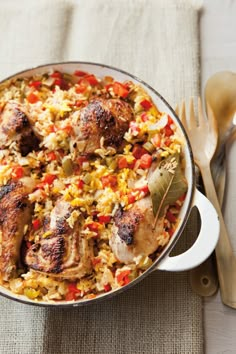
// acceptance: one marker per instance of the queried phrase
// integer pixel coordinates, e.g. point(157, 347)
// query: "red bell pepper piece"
point(120, 89)
point(138, 151)
point(56, 75)
point(90, 78)
point(109, 181)
point(52, 156)
point(80, 88)
point(144, 189)
point(80, 184)
point(32, 98)
point(146, 104)
point(123, 277)
point(48, 179)
point(104, 219)
point(96, 261)
point(168, 131)
point(170, 217)
point(131, 198)
point(144, 117)
point(93, 226)
point(36, 224)
point(80, 73)
point(145, 161)
point(123, 163)
point(18, 171)
point(72, 291)
point(35, 84)
point(107, 287)
point(170, 120)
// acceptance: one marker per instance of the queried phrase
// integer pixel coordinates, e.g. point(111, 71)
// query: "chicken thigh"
point(133, 234)
point(103, 118)
point(62, 252)
point(15, 215)
point(15, 127)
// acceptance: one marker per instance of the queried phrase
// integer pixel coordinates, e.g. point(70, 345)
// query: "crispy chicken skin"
point(15, 127)
point(62, 253)
point(132, 232)
point(15, 213)
point(107, 118)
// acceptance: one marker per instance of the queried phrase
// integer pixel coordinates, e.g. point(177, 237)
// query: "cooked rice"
point(53, 117)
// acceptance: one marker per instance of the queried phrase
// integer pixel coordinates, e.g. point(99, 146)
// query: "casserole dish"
point(204, 244)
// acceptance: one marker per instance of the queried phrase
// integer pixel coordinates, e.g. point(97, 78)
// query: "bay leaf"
point(166, 184)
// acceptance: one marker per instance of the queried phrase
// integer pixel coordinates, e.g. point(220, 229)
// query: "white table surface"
point(218, 53)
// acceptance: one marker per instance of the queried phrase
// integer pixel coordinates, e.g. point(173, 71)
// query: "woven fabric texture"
point(158, 41)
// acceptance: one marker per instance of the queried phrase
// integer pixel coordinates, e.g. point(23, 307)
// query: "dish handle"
point(205, 242)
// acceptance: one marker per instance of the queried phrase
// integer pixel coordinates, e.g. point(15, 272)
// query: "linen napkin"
point(157, 40)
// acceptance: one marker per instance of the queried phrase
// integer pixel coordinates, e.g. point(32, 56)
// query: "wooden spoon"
point(220, 96)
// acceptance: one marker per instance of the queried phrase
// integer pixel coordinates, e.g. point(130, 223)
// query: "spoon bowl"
point(220, 95)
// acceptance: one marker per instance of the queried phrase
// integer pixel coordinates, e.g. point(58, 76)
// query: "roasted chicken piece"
point(15, 214)
point(103, 118)
point(60, 251)
point(132, 232)
point(15, 127)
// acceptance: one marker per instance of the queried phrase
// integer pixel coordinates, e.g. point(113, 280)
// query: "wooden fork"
point(203, 135)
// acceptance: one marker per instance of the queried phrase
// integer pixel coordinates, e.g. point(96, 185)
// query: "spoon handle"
point(204, 278)
point(226, 263)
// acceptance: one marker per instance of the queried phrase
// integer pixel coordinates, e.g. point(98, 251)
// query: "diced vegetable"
point(35, 84)
point(123, 163)
point(138, 151)
point(123, 277)
point(80, 184)
point(52, 156)
point(31, 293)
point(170, 217)
point(145, 161)
point(96, 261)
point(36, 224)
point(148, 146)
point(146, 104)
point(104, 219)
point(32, 98)
point(93, 226)
point(120, 89)
point(67, 166)
point(56, 74)
point(168, 131)
point(109, 181)
point(80, 73)
point(17, 172)
point(107, 287)
point(48, 179)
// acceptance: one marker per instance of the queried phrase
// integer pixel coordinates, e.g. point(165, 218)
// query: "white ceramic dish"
point(209, 233)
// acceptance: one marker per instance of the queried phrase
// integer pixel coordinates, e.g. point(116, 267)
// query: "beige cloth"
point(156, 40)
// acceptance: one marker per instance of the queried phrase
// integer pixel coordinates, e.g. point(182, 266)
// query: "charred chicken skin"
point(103, 118)
point(15, 214)
point(15, 127)
point(133, 234)
point(60, 249)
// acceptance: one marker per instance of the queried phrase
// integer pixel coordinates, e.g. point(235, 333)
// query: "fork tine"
point(182, 115)
point(192, 118)
point(201, 118)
